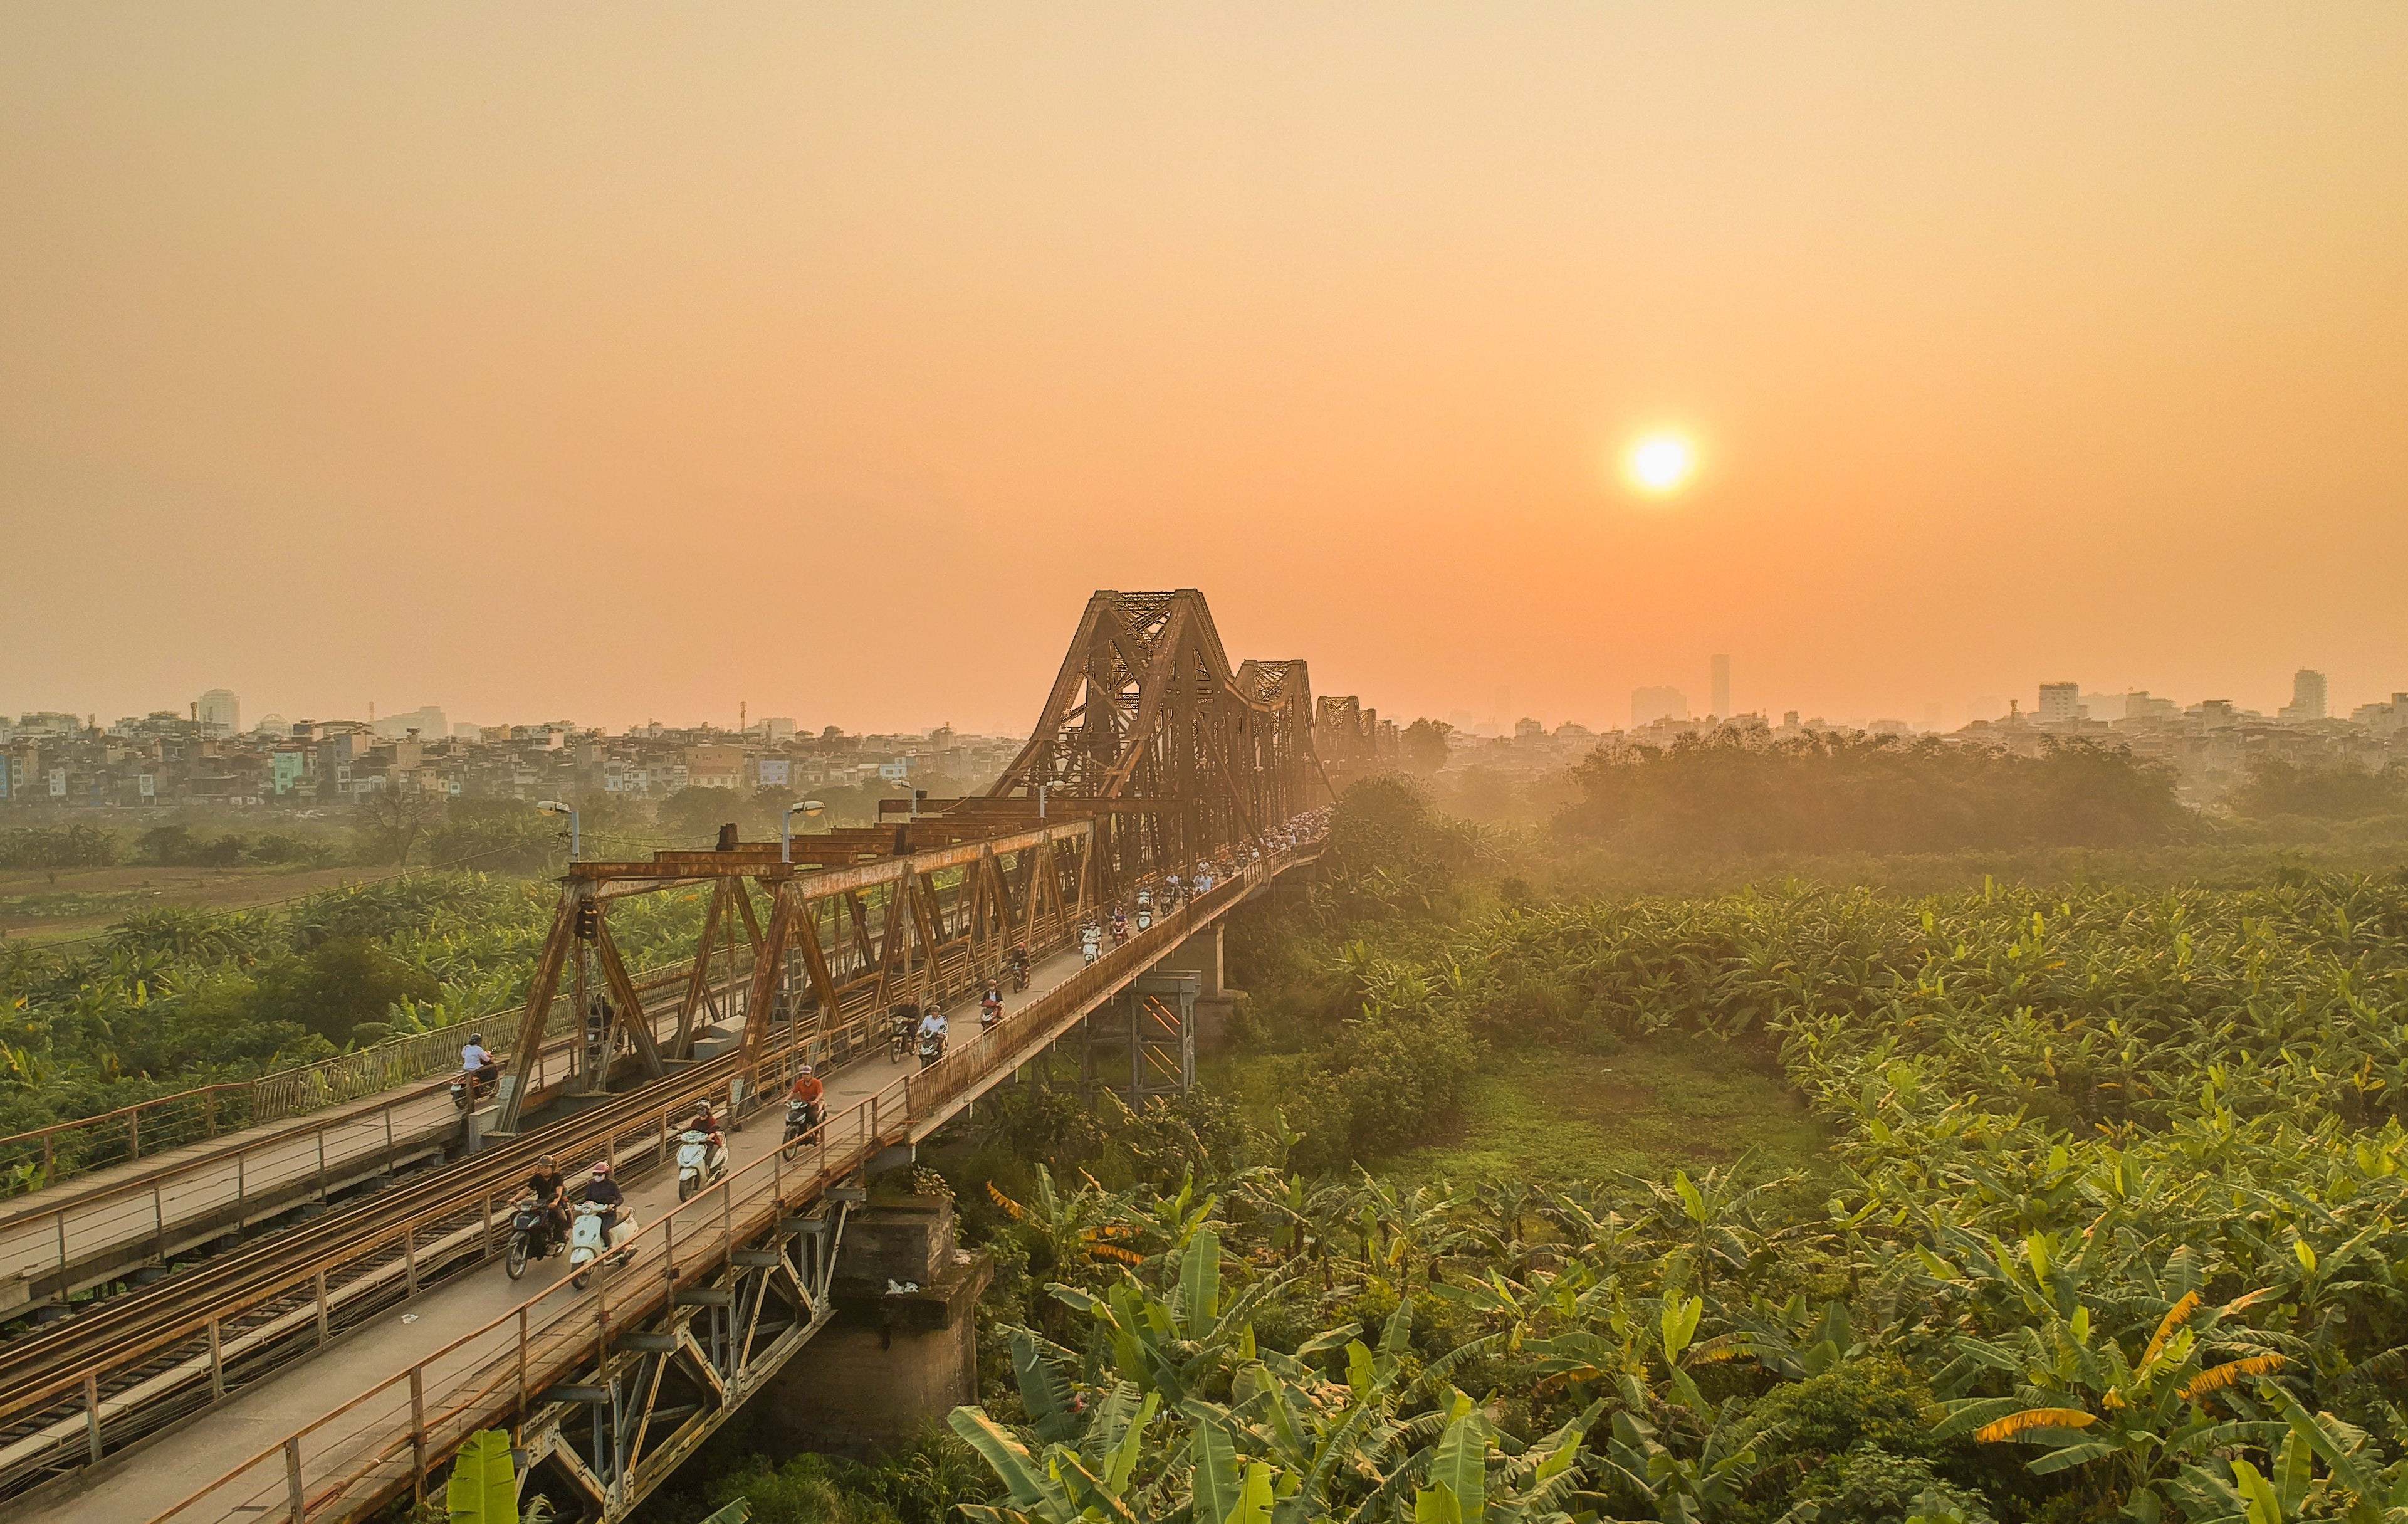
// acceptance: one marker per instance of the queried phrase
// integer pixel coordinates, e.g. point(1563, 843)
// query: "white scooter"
point(585, 1243)
point(699, 1164)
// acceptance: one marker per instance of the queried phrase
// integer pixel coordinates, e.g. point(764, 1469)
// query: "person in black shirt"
point(604, 1190)
point(551, 1189)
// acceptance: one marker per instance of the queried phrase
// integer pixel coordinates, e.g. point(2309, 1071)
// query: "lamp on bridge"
point(554, 807)
point(810, 809)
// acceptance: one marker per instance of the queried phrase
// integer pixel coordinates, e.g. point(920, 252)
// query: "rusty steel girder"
point(1147, 711)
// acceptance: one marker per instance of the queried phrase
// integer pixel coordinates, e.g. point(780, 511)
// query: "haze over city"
point(607, 363)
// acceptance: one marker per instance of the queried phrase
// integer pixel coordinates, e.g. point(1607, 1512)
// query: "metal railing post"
point(325, 1320)
point(217, 1362)
point(292, 1480)
point(133, 1130)
point(418, 1432)
point(92, 1413)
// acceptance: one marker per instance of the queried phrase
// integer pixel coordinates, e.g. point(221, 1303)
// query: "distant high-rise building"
point(2307, 698)
point(1648, 705)
point(1722, 687)
point(219, 711)
point(427, 721)
point(2060, 703)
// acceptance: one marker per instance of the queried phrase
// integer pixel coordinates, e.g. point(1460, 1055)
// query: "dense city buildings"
point(55, 759)
point(51, 760)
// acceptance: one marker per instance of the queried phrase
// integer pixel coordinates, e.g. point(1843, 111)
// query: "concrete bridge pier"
point(902, 1349)
point(1200, 955)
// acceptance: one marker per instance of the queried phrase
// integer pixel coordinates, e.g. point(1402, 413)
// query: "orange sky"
point(626, 362)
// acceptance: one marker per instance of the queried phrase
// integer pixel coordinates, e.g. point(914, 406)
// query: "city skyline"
point(2306, 698)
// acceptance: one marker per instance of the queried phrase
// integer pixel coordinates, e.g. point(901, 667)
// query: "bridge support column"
point(1201, 954)
point(893, 1359)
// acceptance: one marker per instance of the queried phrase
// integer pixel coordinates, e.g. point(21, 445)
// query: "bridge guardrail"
point(391, 1431)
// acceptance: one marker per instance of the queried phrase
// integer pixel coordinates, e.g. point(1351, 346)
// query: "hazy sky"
point(629, 362)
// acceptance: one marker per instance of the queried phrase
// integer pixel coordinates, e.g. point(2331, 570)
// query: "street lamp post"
point(786, 826)
point(554, 807)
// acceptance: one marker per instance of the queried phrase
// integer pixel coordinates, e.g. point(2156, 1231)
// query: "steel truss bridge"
point(372, 1340)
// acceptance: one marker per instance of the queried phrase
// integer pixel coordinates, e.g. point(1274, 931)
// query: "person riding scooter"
point(604, 1193)
point(932, 1037)
point(1120, 925)
point(991, 1005)
point(807, 1091)
point(1019, 967)
point(704, 1122)
point(549, 1188)
point(478, 1064)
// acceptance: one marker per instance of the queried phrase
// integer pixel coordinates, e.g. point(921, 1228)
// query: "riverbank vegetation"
point(173, 997)
point(2087, 1202)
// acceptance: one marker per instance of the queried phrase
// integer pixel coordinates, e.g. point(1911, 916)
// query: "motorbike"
point(1120, 932)
point(801, 1119)
point(531, 1237)
point(1020, 978)
point(473, 1085)
point(699, 1163)
point(932, 1048)
point(990, 1012)
point(898, 1038)
point(1145, 916)
point(585, 1245)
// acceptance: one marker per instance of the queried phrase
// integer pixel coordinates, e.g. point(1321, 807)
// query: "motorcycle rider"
point(605, 1192)
point(932, 1028)
point(991, 1004)
point(807, 1091)
point(476, 1063)
point(1019, 965)
point(705, 1123)
point(551, 1189)
point(1091, 941)
point(1120, 925)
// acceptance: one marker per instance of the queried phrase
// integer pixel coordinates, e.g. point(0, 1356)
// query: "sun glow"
point(1661, 464)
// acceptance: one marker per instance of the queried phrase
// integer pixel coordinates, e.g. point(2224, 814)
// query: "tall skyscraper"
point(219, 711)
point(1722, 687)
point(2307, 696)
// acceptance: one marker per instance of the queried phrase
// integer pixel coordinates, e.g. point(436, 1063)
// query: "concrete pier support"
point(1201, 954)
point(893, 1359)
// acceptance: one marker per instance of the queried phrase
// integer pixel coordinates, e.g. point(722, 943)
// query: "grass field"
point(38, 905)
point(1671, 1102)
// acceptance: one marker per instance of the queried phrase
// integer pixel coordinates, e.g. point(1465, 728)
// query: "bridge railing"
point(386, 1439)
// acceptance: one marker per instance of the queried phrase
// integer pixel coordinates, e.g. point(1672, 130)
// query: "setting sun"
point(1662, 463)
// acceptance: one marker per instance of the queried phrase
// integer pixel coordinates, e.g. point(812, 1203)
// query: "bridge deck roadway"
point(102, 1225)
point(145, 1481)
